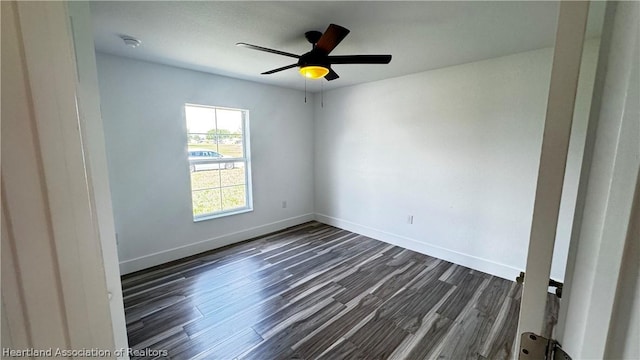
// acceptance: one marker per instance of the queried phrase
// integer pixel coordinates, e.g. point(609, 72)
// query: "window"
point(218, 153)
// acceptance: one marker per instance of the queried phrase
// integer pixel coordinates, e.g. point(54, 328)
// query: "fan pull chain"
point(322, 93)
point(305, 90)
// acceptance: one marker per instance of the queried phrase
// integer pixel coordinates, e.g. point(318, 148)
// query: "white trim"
point(565, 70)
point(470, 261)
point(161, 257)
point(219, 215)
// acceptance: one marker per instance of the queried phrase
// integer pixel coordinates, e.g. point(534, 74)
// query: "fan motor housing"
point(314, 58)
point(313, 36)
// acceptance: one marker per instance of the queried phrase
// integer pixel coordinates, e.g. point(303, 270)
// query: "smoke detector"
point(130, 41)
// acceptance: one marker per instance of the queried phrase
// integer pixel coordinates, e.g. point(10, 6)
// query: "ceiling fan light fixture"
point(314, 71)
point(316, 64)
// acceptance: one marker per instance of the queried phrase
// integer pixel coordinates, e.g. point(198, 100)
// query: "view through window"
point(218, 144)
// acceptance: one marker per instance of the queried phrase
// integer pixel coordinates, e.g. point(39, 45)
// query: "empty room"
point(320, 180)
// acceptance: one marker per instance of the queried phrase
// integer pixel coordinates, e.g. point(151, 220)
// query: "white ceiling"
point(420, 35)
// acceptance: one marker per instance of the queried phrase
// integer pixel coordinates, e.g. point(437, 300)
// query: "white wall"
point(145, 133)
point(458, 148)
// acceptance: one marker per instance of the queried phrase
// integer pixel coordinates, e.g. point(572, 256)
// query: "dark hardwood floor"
point(318, 292)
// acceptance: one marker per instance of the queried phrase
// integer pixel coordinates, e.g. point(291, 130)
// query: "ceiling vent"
point(130, 41)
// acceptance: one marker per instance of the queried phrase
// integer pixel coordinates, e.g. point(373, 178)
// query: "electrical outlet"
point(284, 204)
point(410, 219)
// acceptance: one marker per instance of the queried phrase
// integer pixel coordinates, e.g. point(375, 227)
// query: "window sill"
point(221, 215)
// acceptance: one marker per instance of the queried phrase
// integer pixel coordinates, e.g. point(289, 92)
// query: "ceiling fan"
point(316, 63)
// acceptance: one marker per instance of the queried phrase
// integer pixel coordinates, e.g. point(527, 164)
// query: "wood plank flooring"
point(317, 292)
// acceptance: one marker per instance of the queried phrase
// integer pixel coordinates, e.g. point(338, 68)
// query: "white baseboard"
point(161, 257)
point(470, 261)
point(473, 262)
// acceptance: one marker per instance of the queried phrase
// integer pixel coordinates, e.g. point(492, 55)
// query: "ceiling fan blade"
point(331, 75)
point(260, 48)
point(279, 69)
point(331, 38)
point(360, 59)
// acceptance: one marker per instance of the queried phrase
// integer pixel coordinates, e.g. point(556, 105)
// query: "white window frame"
point(246, 160)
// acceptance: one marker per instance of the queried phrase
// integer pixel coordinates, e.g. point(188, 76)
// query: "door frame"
point(608, 179)
point(565, 70)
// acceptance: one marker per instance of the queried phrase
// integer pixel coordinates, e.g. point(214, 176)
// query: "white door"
point(88, 100)
point(608, 180)
point(58, 295)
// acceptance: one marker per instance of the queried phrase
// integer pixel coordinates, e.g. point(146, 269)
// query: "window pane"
point(205, 179)
point(229, 132)
point(233, 197)
point(206, 202)
point(233, 176)
point(231, 150)
point(200, 120)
